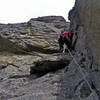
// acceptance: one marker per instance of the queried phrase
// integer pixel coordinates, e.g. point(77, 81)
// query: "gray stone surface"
point(84, 19)
point(23, 44)
point(84, 25)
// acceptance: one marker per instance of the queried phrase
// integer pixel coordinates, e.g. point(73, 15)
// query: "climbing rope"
point(82, 73)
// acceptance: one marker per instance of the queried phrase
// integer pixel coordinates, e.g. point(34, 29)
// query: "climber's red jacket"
point(67, 34)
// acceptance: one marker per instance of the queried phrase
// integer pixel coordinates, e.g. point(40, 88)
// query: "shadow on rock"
point(45, 66)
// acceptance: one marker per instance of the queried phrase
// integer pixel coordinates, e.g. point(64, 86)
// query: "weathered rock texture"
point(50, 64)
point(84, 25)
point(23, 44)
point(34, 35)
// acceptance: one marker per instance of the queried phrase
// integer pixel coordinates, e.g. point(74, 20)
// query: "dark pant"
point(63, 41)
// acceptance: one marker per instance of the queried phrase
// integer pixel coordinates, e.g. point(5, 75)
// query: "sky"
point(16, 11)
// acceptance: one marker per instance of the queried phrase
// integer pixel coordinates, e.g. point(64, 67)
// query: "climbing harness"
point(82, 73)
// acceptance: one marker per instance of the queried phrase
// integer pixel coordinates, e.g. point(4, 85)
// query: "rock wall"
point(30, 65)
point(85, 25)
point(33, 35)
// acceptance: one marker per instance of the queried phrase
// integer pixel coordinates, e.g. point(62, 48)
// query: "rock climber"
point(64, 38)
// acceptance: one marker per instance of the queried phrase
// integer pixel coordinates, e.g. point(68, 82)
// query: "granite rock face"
point(84, 25)
point(33, 35)
point(21, 46)
point(85, 22)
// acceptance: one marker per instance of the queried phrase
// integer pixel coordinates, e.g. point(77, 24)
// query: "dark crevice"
point(78, 85)
point(75, 41)
point(19, 76)
point(44, 67)
point(94, 88)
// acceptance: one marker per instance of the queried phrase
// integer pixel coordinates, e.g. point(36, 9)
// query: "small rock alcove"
point(41, 68)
